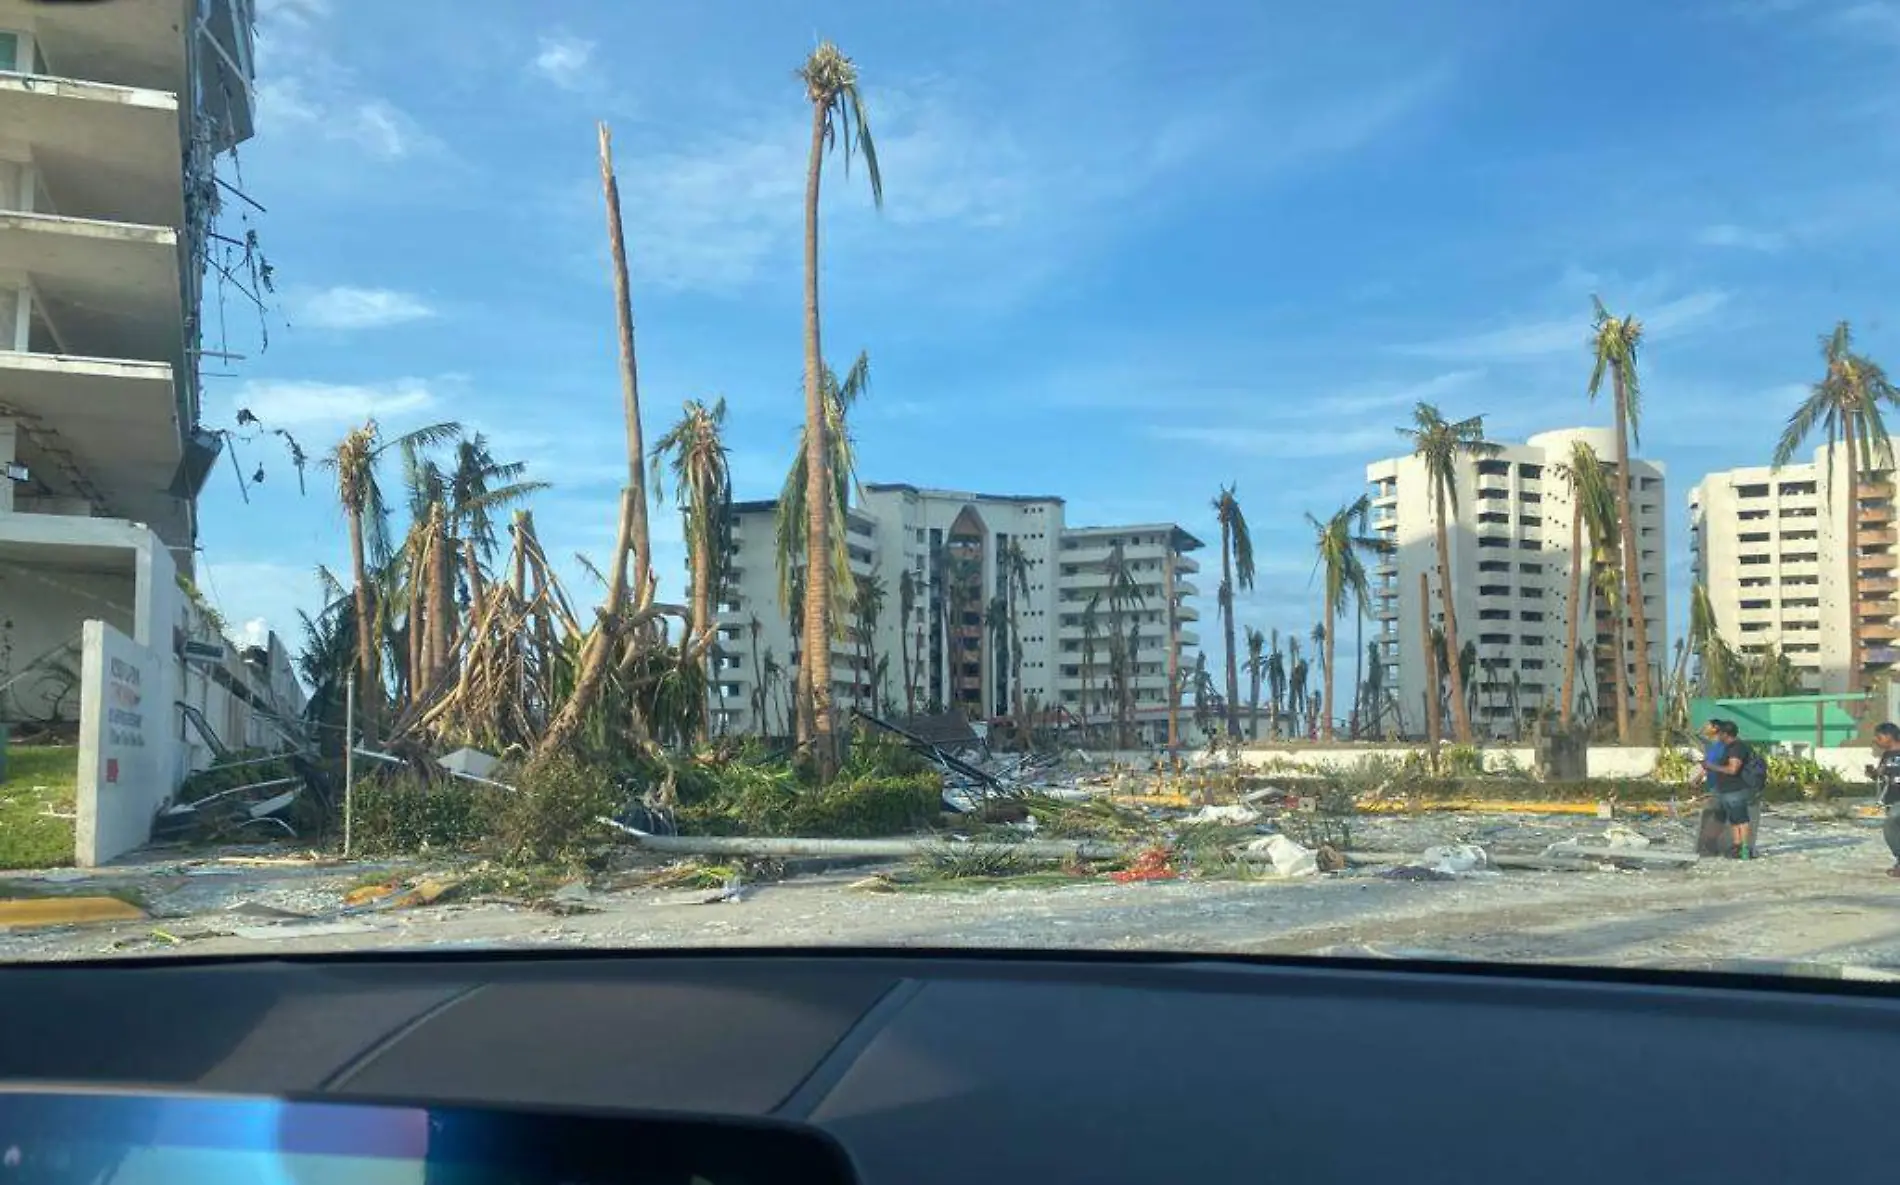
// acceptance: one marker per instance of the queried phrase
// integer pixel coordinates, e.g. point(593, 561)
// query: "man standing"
point(1711, 829)
point(1886, 776)
point(1732, 792)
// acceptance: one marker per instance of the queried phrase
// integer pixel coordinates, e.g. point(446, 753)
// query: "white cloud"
point(563, 59)
point(291, 14)
point(297, 403)
point(343, 307)
point(255, 596)
point(1726, 234)
point(1571, 334)
point(335, 112)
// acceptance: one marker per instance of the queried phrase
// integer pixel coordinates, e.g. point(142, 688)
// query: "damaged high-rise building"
point(984, 603)
point(112, 118)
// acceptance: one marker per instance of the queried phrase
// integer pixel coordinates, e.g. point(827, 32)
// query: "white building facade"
point(971, 561)
point(111, 119)
point(1769, 545)
point(1512, 575)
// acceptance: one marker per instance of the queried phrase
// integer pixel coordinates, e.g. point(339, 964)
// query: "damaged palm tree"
point(619, 621)
point(837, 113)
point(354, 463)
point(703, 488)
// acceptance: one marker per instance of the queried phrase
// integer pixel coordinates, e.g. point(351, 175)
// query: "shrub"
point(1791, 779)
point(1463, 761)
point(554, 816)
point(755, 800)
point(1675, 766)
point(400, 814)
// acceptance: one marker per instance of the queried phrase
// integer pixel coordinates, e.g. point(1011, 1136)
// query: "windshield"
point(1221, 478)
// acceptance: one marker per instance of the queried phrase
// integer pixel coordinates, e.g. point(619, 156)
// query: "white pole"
point(349, 756)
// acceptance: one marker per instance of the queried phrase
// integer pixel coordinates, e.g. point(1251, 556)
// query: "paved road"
point(1820, 896)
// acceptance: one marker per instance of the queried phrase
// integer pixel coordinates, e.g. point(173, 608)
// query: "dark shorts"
point(1734, 806)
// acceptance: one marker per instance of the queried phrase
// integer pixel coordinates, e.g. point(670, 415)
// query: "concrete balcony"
point(105, 430)
point(1874, 537)
point(1878, 586)
point(1877, 631)
point(107, 289)
point(109, 152)
point(1867, 563)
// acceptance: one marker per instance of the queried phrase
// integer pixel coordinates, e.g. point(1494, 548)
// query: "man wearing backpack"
point(1738, 780)
point(1886, 776)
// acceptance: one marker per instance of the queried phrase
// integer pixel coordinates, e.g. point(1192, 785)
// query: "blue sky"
point(1128, 252)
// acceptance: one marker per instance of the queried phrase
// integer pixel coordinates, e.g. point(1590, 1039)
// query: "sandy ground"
point(1818, 895)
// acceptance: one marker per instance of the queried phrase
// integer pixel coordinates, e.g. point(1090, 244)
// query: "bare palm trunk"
point(1358, 667)
point(1174, 656)
point(702, 616)
point(818, 492)
point(1253, 703)
point(1576, 598)
point(1227, 626)
point(1431, 663)
point(1326, 718)
point(1460, 714)
point(368, 697)
point(1851, 548)
point(441, 601)
point(1621, 670)
point(599, 650)
point(758, 689)
point(1645, 731)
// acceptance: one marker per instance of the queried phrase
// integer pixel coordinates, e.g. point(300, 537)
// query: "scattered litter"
point(874, 884)
point(570, 899)
point(1456, 858)
point(1577, 849)
point(1152, 864)
point(1330, 859)
point(732, 894)
point(370, 898)
point(1415, 872)
point(60, 876)
point(1239, 815)
point(1619, 836)
point(1288, 858)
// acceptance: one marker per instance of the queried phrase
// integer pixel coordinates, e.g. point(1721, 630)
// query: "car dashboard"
point(950, 1067)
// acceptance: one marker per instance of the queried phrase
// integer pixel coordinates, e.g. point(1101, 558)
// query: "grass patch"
point(40, 778)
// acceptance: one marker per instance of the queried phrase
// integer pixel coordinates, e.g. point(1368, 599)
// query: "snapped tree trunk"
point(1174, 655)
point(1326, 716)
point(1460, 715)
point(1227, 627)
point(1851, 548)
point(598, 651)
point(368, 679)
point(1645, 730)
point(1431, 664)
point(1576, 598)
point(442, 615)
point(818, 491)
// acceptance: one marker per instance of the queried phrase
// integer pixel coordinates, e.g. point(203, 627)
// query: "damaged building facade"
point(112, 117)
point(1769, 546)
point(1511, 573)
point(973, 563)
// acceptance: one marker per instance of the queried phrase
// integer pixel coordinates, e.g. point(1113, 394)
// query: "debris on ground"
point(1287, 858)
point(1151, 864)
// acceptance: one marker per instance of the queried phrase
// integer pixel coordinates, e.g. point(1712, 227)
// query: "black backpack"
point(1754, 772)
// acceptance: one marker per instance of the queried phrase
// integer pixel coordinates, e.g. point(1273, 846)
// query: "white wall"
point(127, 757)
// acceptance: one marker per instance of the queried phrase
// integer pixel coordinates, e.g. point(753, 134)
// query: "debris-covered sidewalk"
point(1818, 893)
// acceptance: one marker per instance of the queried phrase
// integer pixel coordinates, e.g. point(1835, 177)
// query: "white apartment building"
point(1768, 546)
point(1511, 577)
point(111, 119)
point(955, 545)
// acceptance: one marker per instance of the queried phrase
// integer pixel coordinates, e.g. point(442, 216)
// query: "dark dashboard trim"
point(1382, 969)
point(831, 1069)
point(340, 1077)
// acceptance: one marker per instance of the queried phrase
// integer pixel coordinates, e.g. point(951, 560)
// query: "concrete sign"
point(125, 749)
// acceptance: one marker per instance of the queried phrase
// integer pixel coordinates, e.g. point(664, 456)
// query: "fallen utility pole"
point(881, 849)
